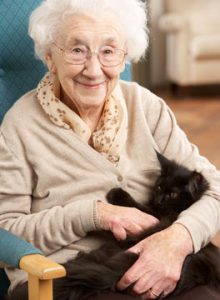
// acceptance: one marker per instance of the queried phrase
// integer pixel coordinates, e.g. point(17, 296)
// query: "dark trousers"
point(198, 293)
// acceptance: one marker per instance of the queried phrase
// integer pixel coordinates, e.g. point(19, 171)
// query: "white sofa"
point(192, 30)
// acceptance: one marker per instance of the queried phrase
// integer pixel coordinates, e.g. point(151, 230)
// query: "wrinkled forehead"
point(86, 29)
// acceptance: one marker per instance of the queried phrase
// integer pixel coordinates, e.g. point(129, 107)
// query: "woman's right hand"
point(123, 221)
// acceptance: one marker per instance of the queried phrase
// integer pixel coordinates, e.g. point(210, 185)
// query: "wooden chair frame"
point(41, 272)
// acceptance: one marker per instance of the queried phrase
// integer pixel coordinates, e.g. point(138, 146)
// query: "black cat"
point(175, 190)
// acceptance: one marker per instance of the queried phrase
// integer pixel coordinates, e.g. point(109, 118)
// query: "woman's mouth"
point(91, 85)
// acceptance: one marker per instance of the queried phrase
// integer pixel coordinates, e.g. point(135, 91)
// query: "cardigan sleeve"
point(203, 218)
point(49, 229)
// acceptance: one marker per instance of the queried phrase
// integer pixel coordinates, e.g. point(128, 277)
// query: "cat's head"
point(176, 188)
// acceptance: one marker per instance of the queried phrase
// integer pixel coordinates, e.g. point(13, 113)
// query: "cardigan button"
point(120, 178)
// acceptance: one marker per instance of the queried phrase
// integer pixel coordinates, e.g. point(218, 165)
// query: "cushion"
point(204, 23)
point(205, 47)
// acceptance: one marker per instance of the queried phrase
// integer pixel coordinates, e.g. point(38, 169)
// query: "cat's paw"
point(117, 196)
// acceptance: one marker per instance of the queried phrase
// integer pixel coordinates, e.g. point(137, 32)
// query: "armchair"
point(192, 31)
point(17, 253)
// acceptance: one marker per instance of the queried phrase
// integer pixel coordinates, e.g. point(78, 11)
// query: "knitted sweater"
point(51, 179)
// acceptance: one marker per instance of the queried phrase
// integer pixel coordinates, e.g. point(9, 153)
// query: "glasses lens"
point(111, 57)
point(108, 56)
point(76, 55)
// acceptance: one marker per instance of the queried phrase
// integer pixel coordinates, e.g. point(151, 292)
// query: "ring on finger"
point(152, 293)
point(162, 295)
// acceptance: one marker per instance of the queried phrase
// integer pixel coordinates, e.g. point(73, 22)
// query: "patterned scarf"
point(111, 132)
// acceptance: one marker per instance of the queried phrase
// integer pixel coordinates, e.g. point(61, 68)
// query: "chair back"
point(188, 6)
point(19, 70)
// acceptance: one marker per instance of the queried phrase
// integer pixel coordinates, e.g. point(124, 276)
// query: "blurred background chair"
point(192, 41)
point(17, 253)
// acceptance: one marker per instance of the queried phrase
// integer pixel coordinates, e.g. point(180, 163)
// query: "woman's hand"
point(159, 265)
point(123, 221)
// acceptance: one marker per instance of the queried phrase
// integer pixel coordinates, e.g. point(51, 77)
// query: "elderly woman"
point(82, 132)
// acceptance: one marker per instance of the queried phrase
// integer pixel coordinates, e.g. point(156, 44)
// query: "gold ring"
point(155, 295)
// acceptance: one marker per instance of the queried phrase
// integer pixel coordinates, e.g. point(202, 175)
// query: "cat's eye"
point(173, 195)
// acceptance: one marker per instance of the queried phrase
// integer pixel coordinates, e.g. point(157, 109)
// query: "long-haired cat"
point(175, 190)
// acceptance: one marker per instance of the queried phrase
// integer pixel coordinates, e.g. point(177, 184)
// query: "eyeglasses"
point(107, 55)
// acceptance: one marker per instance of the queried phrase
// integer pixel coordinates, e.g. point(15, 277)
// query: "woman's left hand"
point(160, 261)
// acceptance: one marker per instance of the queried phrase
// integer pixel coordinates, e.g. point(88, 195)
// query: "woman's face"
point(87, 85)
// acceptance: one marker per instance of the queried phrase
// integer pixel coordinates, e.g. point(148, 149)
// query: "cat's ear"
point(164, 162)
point(197, 180)
point(198, 177)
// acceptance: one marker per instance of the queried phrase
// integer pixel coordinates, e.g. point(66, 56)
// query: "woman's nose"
point(93, 67)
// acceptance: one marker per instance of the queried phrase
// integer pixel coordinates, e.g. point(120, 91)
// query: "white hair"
point(45, 21)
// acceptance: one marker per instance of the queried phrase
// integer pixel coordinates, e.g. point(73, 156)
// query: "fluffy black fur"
point(175, 190)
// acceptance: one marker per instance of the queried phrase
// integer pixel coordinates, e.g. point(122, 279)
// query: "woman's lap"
point(198, 293)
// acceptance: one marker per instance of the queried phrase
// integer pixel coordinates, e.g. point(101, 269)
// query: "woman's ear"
point(50, 63)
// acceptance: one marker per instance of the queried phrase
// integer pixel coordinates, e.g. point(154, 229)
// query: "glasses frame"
point(64, 51)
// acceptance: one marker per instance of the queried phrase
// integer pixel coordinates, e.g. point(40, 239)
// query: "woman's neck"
point(90, 115)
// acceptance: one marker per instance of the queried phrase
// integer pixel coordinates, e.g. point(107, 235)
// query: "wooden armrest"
point(41, 271)
point(41, 267)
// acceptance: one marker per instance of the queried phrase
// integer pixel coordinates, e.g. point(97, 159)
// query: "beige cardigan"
point(51, 180)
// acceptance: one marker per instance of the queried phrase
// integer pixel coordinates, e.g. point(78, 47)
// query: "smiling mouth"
point(91, 86)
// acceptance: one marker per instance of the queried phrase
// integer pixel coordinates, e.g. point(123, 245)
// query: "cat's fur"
point(175, 190)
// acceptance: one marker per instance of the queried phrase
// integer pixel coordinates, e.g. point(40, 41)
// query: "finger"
point(143, 222)
point(118, 231)
point(145, 282)
point(149, 295)
point(136, 248)
point(159, 290)
point(152, 293)
point(132, 228)
point(168, 290)
point(135, 272)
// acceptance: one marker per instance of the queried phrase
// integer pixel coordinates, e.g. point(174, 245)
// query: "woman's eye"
point(76, 50)
point(107, 51)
